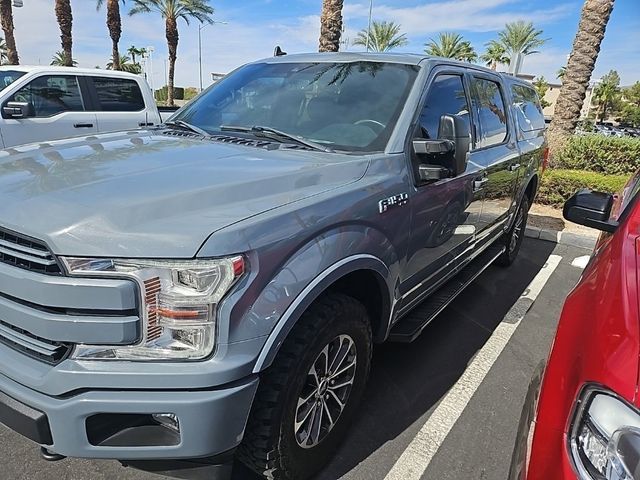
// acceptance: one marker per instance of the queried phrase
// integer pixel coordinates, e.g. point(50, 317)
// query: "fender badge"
point(395, 201)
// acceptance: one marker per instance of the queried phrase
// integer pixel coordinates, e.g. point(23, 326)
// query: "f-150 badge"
point(395, 201)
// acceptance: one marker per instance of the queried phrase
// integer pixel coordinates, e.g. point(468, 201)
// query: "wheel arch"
point(359, 276)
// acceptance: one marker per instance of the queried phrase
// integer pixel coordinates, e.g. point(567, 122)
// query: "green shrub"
point(558, 185)
point(597, 153)
point(161, 93)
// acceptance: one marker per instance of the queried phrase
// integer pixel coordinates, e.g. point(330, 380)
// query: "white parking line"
point(416, 458)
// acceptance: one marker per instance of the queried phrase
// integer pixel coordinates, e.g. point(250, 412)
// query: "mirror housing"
point(453, 143)
point(17, 110)
point(591, 209)
point(432, 173)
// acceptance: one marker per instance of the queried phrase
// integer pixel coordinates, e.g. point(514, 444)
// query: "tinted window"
point(446, 97)
point(345, 106)
point(491, 112)
point(527, 108)
point(7, 77)
point(51, 94)
point(118, 95)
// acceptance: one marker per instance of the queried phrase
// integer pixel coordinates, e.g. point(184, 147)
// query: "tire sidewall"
point(303, 462)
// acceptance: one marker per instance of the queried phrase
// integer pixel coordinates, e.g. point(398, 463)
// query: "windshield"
point(7, 77)
point(343, 106)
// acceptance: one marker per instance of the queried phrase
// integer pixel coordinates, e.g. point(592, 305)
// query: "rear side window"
point(51, 94)
point(492, 116)
point(446, 97)
point(118, 94)
point(527, 107)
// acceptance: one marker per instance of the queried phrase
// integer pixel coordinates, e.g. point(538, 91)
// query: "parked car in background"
point(39, 104)
point(581, 420)
point(214, 286)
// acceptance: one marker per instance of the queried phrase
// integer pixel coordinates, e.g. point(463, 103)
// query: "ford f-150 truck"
point(50, 103)
point(211, 288)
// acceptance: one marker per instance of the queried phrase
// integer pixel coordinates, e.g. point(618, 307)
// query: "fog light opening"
point(168, 420)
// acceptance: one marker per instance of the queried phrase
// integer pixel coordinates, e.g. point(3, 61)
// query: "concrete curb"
point(562, 238)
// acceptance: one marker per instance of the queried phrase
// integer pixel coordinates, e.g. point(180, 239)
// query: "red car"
point(581, 419)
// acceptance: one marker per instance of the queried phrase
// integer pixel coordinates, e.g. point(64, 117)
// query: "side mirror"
point(453, 143)
point(17, 110)
point(591, 209)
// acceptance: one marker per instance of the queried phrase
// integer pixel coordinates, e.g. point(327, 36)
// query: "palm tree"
point(607, 94)
point(3, 52)
point(65, 21)
point(331, 25)
point(60, 60)
point(133, 51)
point(495, 54)
point(171, 11)
point(6, 19)
point(560, 73)
point(586, 46)
point(114, 24)
point(382, 37)
point(125, 65)
point(520, 39)
point(451, 45)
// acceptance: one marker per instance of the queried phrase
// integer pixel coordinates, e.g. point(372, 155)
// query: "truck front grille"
point(36, 347)
point(27, 253)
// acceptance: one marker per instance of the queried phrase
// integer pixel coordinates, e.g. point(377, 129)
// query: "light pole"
point(369, 27)
point(200, 28)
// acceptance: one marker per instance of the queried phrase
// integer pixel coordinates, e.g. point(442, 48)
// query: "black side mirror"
point(453, 143)
point(17, 110)
point(591, 209)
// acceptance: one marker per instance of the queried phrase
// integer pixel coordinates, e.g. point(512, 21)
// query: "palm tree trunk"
point(331, 25)
point(65, 21)
point(6, 18)
point(586, 46)
point(115, 30)
point(172, 43)
point(494, 65)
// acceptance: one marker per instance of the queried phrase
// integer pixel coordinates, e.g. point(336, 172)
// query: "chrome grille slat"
point(29, 254)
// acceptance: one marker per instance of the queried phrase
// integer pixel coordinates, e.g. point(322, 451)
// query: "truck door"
point(119, 104)
point(57, 110)
point(445, 213)
point(496, 152)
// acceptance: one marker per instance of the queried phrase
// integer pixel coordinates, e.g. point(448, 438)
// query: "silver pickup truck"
point(211, 288)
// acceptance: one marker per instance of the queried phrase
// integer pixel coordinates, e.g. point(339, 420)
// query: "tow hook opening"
point(50, 456)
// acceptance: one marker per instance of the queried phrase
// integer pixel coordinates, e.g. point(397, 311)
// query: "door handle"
point(83, 125)
point(478, 184)
point(145, 124)
point(513, 167)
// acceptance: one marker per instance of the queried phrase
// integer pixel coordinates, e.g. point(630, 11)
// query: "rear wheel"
point(513, 239)
point(309, 395)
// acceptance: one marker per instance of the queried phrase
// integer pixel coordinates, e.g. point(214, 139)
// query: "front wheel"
point(513, 239)
point(308, 396)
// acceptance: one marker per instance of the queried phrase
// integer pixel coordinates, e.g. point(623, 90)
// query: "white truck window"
point(51, 94)
point(118, 95)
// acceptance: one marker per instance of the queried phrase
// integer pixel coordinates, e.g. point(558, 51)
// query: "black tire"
point(271, 445)
point(513, 239)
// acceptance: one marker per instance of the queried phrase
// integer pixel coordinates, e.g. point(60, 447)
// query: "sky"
point(254, 27)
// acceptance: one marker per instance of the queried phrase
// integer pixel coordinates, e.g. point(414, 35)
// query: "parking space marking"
point(418, 455)
point(581, 262)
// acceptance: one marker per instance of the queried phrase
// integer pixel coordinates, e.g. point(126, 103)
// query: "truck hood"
point(146, 194)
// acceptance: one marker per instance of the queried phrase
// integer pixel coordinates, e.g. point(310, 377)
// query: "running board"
point(411, 326)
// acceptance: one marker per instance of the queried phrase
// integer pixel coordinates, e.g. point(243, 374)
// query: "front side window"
point(527, 107)
point(491, 112)
point(344, 106)
point(118, 94)
point(51, 94)
point(446, 97)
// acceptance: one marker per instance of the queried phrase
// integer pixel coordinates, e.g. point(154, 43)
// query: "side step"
point(411, 326)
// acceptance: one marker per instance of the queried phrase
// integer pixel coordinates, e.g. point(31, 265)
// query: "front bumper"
point(211, 421)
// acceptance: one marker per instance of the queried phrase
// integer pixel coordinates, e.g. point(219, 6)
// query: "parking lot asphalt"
point(409, 382)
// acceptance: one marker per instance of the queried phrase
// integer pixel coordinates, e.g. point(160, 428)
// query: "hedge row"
point(558, 185)
point(597, 153)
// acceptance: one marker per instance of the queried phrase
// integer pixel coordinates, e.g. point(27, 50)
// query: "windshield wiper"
point(278, 134)
point(188, 126)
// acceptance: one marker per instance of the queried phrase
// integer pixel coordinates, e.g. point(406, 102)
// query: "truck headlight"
point(605, 438)
point(179, 301)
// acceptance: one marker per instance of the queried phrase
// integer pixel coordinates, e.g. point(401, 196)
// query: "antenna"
point(278, 52)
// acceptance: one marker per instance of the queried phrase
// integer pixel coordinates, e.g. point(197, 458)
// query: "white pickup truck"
point(49, 103)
